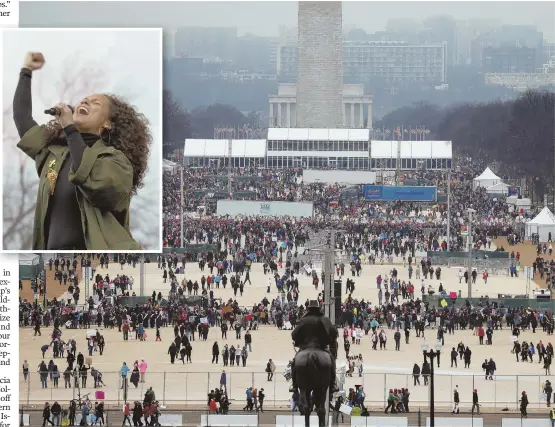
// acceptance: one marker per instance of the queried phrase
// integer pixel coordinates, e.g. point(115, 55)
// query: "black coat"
point(416, 370)
point(314, 330)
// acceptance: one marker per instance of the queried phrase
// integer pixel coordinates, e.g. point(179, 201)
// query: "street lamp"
point(432, 354)
point(469, 231)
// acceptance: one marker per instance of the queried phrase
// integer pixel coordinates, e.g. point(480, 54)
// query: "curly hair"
point(129, 133)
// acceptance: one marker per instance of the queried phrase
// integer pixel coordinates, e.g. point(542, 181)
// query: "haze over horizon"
point(265, 18)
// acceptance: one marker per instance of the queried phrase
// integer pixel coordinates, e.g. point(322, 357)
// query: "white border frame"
point(159, 137)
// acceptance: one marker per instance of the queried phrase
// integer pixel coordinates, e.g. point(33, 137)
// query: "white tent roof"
point(168, 165)
point(486, 175)
point(220, 148)
point(545, 217)
point(498, 187)
point(305, 134)
point(412, 149)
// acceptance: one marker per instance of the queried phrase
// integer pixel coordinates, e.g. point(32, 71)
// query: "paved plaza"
point(190, 383)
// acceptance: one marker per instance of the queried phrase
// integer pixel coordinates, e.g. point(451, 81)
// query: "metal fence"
point(417, 417)
point(495, 267)
point(191, 388)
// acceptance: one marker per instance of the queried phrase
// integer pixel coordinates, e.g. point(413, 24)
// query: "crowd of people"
point(334, 205)
point(368, 233)
point(399, 315)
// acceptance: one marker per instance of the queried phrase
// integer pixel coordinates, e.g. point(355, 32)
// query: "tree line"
point(200, 123)
point(518, 135)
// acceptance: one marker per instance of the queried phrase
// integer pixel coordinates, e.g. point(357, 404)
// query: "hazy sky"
point(130, 64)
point(264, 18)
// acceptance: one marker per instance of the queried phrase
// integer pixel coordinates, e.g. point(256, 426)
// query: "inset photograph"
point(82, 139)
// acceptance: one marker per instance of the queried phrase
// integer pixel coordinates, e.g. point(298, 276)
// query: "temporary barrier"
point(456, 422)
point(526, 422)
point(228, 420)
point(235, 208)
point(297, 421)
point(338, 176)
point(379, 422)
point(170, 420)
point(25, 420)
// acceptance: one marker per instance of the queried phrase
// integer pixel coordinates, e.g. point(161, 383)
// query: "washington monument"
point(320, 74)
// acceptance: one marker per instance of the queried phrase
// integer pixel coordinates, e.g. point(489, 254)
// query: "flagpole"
point(449, 211)
point(182, 233)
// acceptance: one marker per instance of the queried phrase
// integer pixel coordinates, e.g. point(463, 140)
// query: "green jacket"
point(103, 186)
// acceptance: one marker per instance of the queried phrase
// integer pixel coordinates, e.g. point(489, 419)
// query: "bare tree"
point(76, 80)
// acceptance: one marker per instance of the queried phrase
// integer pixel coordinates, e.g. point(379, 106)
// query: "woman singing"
point(90, 162)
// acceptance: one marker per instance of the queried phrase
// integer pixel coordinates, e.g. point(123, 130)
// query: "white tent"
point(542, 224)
point(500, 188)
point(168, 165)
point(486, 179)
point(524, 203)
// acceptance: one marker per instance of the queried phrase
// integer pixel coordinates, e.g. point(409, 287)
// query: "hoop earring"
point(107, 140)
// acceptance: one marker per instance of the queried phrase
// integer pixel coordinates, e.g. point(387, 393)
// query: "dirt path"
point(527, 255)
point(53, 287)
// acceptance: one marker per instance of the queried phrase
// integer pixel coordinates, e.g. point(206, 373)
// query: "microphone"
point(56, 111)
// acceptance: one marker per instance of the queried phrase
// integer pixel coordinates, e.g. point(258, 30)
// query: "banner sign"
point(400, 193)
point(514, 191)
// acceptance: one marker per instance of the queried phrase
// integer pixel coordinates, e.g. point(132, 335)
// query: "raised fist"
point(34, 61)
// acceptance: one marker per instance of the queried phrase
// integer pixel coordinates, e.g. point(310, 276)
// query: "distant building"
point(257, 54)
point(245, 76)
point(519, 82)
point(396, 62)
point(356, 107)
point(214, 42)
point(507, 41)
point(545, 76)
point(548, 51)
point(509, 59)
point(187, 65)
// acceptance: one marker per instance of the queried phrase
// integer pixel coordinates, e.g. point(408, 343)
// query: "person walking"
point(25, 370)
point(56, 411)
point(475, 401)
point(223, 382)
point(46, 414)
point(261, 397)
point(126, 414)
point(548, 390)
point(416, 373)
point(270, 369)
point(456, 400)
point(454, 357)
point(142, 369)
point(397, 338)
point(215, 352)
point(467, 356)
point(124, 370)
point(524, 405)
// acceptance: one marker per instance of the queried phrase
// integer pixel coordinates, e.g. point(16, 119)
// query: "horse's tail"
point(314, 363)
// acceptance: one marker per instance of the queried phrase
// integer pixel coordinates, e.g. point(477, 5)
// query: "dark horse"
point(313, 367)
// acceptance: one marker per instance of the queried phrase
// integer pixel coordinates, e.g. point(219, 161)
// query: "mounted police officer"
point(315, 331)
